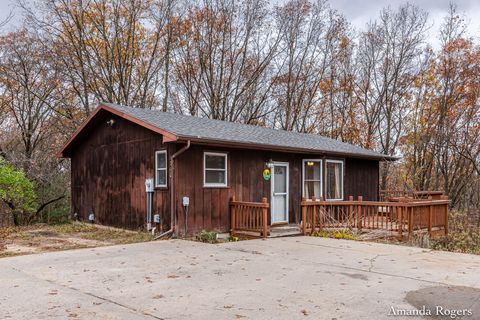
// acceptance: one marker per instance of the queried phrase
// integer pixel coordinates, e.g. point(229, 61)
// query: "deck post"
point(360, 213)
point(443, 197)
point(265, 217)
point(410, 222)
point(400, 222)
point(350, 212)
point(304, 216)
point(314, 214)
point(430, 213)
point(446, 219)
point(321, 215)
point(232, 216)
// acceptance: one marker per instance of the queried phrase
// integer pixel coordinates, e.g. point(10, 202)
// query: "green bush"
point(207, 236)
point(17, 191)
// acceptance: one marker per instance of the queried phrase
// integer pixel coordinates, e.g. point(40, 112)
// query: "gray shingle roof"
point(185, 127)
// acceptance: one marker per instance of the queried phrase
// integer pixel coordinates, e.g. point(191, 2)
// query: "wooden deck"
point(399, 215)
point(405, 215)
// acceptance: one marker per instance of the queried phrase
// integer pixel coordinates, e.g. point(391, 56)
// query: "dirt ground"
point(44, 238)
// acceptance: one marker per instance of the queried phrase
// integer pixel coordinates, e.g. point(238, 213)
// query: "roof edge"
point(168, 136)
point(245, 145)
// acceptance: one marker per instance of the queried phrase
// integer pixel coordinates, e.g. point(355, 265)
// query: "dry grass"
point(44, 238)
point(463, 236)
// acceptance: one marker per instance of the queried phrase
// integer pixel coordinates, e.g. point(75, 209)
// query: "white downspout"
point(172, 191)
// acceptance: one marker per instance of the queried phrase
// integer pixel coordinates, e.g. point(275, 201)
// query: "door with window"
point(312, 179)
point(279, 187)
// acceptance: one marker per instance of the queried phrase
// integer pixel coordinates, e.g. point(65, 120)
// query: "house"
point(207, 161)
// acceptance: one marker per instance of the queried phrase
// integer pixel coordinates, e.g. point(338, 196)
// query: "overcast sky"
point(358, 12)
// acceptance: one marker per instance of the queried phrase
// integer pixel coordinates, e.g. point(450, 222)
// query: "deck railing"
point(249, 219)
point(385, 195)
point(405, 215)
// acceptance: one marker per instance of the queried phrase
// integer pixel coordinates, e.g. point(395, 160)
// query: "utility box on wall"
point(149, 185)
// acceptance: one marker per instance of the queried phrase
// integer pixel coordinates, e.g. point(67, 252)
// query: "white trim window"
point(312, 173)
point(334, 179)
point(215, 169)
point(161, 169)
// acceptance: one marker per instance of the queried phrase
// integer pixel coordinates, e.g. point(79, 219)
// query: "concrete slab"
point(282, 278)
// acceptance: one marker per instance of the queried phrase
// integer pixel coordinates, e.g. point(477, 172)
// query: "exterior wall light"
point(269, 164)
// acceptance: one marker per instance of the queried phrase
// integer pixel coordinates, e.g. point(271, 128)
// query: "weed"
point(207, 236)
point(336, 234)
point(232, 239)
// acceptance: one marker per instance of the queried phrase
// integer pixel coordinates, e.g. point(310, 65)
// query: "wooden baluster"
point(430, 214)
point(341, 214)
point(251, 212)
point(372, 221)
point(232, 216)
point(410, 221)
point(367, 213)
point(350, 212)
point(444, 208)
point(321, 211)
point(314, 214)
point(243, 217)
point(400, 222)
point(446, 218)
point(393, 213)
point(251, 217)
point(360, 213)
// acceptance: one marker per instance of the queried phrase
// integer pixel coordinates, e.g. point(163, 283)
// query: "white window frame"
point(321, 175)
point(157, 185)
point(217, 154)
point(341, 180)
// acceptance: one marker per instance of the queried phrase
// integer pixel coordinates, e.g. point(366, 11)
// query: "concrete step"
point(285, 231)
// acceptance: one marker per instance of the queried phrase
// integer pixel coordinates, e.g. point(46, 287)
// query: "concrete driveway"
point(284, 278)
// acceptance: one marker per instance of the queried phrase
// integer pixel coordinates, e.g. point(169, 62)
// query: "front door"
point(279, 210)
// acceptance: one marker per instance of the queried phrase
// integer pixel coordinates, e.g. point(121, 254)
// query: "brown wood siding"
point(110, 165)
point(362, 178)
point(209, 206)
point(109, 169)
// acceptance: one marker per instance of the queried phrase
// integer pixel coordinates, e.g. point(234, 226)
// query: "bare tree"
point(224, 51)
point(107, 50)
point(28, 85)
point(309, 33)
point(391, 56)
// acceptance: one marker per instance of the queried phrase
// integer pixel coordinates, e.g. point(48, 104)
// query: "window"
point(312, 178)
point(215, 173)
point(161, 168)
point(334, 179)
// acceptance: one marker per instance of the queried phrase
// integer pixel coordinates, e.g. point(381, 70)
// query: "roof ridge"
point(319, 139)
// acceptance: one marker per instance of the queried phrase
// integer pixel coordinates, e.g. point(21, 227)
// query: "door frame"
point(272, 182)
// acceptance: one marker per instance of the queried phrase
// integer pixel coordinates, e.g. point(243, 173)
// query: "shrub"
point(17, 191)
point(207, 236)
point(463, 236)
